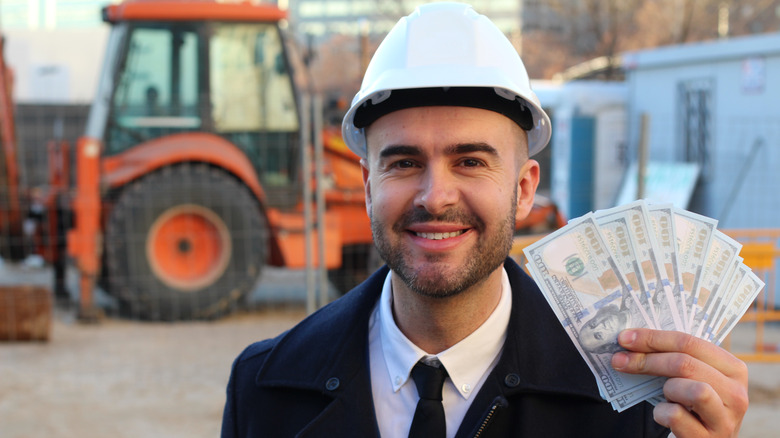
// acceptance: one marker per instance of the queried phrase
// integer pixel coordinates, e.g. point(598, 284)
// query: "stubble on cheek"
point(433, 279)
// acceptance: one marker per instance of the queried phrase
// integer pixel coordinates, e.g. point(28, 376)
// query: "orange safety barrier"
point(519, 243)
point(761, 251)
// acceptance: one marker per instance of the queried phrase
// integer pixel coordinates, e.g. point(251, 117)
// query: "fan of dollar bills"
point(640, 265)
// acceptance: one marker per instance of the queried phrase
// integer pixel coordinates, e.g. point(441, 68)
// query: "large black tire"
point(186, 242)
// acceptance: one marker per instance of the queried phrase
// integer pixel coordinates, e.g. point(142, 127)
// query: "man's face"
point(443, 188)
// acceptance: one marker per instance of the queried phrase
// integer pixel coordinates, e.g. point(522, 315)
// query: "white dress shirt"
point(392, 356)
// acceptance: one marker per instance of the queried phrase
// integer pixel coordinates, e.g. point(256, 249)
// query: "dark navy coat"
point(313, 380)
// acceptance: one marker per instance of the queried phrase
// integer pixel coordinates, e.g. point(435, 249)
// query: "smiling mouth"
point(440, 236)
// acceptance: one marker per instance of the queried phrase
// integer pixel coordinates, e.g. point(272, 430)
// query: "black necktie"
point(428, 419)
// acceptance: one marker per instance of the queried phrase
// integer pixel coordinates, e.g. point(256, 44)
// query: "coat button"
point(511, 380)
point(332, 384)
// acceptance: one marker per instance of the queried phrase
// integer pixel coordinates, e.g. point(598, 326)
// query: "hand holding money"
point(678, 283)
point(706, 387)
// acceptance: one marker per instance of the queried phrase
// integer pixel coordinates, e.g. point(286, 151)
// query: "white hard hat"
point(446, 54)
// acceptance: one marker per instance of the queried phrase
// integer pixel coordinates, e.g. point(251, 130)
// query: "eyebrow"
point(457, 149)
point(467, 148)
point(394, 150)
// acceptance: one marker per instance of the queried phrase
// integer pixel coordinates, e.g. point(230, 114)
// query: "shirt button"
point(332, 384)
point(397, 380)
point(511, 380)
point(466, 387)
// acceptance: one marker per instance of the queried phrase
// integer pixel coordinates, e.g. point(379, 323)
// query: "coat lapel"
point(327, 355)
point(351, 413)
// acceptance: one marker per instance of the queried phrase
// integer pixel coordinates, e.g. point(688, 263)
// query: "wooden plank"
point(25, 313)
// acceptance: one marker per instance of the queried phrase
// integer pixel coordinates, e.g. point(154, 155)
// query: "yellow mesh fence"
point(761, 252)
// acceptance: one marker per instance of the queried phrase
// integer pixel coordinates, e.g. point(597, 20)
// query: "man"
point(444, 123)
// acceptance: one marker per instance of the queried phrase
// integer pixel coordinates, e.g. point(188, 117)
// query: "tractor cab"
point(184, 67)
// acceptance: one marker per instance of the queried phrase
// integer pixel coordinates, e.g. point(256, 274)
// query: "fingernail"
point(627, 337)
point(619, 361)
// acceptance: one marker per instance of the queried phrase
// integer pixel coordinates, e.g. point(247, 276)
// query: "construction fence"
point(761, 252)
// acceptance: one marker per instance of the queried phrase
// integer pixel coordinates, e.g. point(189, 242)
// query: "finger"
point(717, 401)
point(719, 415)
point(671, 364)
point(650, 341)
point(681, 365)
point(681, 421)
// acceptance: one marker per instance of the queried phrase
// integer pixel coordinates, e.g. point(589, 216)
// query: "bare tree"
point(753, 16)
point(606, 28)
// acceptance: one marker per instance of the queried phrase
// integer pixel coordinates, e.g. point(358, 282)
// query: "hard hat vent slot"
point(506, 94)
point(379, 97)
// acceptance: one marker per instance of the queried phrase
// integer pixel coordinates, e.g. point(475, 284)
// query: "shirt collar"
point(466, 362)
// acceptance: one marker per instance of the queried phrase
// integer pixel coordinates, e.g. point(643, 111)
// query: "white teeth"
point(439, 236)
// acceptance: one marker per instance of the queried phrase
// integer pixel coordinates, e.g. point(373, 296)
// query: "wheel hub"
point(188, 247)
point(185, 246)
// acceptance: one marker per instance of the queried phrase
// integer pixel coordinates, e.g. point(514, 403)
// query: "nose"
point(438, 190)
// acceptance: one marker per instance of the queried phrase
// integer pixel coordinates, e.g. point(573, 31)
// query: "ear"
point(366, 184)
point(528, 180)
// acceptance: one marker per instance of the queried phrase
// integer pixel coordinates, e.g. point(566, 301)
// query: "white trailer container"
point(716, 104)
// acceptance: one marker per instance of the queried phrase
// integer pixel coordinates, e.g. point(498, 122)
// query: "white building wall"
point(55, 66)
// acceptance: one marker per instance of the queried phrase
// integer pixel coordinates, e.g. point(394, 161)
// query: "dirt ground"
point(126, 379)
point(130, 379)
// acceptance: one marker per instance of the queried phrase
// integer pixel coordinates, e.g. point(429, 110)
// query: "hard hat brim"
point(474, 97)
point(355, 122)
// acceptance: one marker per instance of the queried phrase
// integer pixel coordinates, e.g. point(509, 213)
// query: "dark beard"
point(490, 253)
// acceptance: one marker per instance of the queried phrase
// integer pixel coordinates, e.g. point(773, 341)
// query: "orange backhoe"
point(188, 176)
point(10, 205)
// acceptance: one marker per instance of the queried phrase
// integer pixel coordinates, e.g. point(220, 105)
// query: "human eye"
point(471, 162)
point(404, 164)
point(400, 164)
point(399, 157)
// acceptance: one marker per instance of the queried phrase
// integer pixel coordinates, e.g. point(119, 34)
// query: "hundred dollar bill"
point(615, 226)
point(746, 292)
point(589, 294)
point(694, 233)
point(724, 298)
point(655, 401)
point(662, 221)
point(594, 336)
point(720, 262)
point(650, 260)
point(716, 300)
point(650, 393)
point(625, 400)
